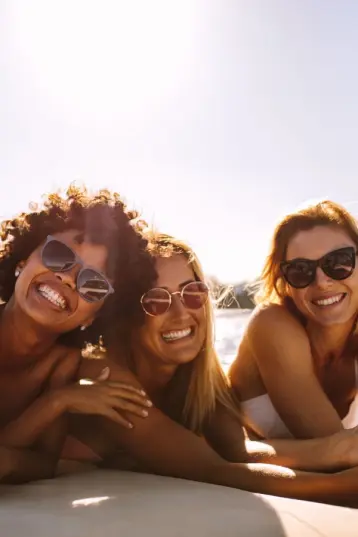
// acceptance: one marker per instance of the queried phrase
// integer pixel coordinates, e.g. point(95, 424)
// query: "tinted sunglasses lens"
point(156, 301)
point(339, 265)
point(58, 257)
point(92, 286)
point(299, 274)
point(195, 295)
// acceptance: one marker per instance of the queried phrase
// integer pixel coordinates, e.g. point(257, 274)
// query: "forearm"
point(29, 426)
point(313, 454)
point(168, 449)
point(340, 488)
point(20, 466)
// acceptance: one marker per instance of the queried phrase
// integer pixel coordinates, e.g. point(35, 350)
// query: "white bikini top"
point(262, 413)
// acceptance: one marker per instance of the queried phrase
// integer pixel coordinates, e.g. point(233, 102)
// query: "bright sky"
point(214, 117)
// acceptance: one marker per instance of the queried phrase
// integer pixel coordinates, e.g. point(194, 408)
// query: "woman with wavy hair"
point(195, 430)
point(64, 269)
point(296, 370)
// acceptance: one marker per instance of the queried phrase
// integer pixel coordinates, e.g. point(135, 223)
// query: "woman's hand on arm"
point(282, 351)
point(91, 397)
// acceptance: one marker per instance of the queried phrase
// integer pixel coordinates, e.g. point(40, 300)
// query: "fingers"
point(126, 386)
point(128, 406)
point(128, 395)
point(113, 415)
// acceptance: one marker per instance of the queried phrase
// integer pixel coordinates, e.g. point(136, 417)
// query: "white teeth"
point(329, 301)
point(176, 334)
point(52, 296)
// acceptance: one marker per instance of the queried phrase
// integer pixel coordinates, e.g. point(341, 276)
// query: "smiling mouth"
point(52, 296)
point(330, 301)
point(177, 335)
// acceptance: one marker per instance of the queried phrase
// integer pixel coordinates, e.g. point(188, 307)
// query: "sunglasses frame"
point(181, 293)
point(77, 261)
point(315, 263)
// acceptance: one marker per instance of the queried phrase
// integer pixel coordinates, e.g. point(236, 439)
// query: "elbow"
point(22, 466)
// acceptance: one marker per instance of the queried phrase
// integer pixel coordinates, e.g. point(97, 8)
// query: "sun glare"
point(87, 502)
point(105, 56)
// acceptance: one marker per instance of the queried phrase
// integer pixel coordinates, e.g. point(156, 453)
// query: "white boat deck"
point(123, 504)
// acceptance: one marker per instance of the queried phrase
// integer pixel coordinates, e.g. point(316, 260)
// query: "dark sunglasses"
point(91, 284)
point(158, 300)
point(338, 265)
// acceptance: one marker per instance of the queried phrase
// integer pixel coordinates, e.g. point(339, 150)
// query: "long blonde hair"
point(273, 288)
point(207, 385)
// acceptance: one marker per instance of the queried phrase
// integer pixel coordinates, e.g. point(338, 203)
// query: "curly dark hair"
point(105, 219)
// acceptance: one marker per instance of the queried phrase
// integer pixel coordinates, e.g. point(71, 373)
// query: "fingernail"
point(104, 373)
point(142, 392)
point(148, 403)
point(130, 425)
point(144, 413)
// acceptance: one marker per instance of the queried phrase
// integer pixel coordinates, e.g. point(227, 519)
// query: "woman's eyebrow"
point(183, 284)
point(186, 282)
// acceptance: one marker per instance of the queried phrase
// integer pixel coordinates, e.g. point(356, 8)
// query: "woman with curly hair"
point(63, 268)
point(195, 430)
point(296, 371)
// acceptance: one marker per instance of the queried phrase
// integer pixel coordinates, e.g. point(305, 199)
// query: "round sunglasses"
point(158, 300)
point(91, 284)
point(338, 265)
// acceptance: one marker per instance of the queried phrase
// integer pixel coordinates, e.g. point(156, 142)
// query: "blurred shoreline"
point(229, 327)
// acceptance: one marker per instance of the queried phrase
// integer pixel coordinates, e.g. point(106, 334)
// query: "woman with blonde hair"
point(296, 370)
point(194, 430)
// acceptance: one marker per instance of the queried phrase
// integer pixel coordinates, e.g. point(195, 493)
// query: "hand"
point(103, 398)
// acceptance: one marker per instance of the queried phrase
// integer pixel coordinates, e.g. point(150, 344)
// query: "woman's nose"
point(69, 277)
point(322, 280)
point(177, 306)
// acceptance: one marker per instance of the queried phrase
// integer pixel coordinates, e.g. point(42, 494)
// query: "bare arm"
point(42, 423)
point(316, 454)
point(335, 452)
point(166, 448)
point(281, 349)
point(20, 466)
point(31, 424)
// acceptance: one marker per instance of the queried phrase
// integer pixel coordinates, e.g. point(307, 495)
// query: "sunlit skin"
point(313, 244)
point(38, 375)
point(328, 326)
point(318, 380)
point(157, 359)
point(41, 321)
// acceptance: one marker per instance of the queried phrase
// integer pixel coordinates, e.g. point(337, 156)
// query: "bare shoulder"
point(65, 364)
point(275, 335)
point(93, 368)
point(268, 320)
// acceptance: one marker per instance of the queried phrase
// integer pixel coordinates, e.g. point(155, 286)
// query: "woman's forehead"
point(316, 242)
point(173, 271)
point(92, 254)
